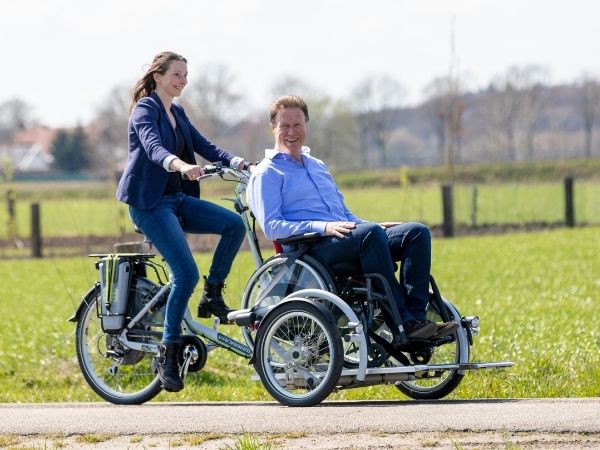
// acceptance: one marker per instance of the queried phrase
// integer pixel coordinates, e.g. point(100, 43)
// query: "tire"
point(127, 377)
point(455, 351)
point(299, 342)
point(304, 273)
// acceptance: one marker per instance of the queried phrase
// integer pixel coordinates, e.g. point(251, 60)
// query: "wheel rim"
point(299, 276)
point(298, 355)
point(127, 376)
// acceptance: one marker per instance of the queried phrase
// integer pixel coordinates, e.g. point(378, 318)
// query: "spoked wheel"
point(299, 355)
point(274, 281)
point(454, 349)
point(116, 373)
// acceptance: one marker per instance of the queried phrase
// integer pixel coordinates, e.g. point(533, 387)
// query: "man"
point(290, 192)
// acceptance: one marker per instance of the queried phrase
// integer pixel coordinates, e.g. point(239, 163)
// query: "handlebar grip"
point(208, 169)
point(212, 168)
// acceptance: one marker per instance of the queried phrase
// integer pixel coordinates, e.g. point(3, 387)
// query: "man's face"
point(289, 130)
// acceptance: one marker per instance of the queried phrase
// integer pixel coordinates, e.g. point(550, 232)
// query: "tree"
point(375, 102)
point(214, 101)
point(71, 150)
point(289, 85)
point(445, 105)
point(110, 128)
point(332, 133)
point(15, 115)
point(515, 106)
point(589, 107)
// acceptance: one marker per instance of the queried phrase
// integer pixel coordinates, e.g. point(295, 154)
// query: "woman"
point(160, 186)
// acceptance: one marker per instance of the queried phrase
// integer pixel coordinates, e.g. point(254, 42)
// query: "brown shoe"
point(445, 329)
point(415, 329)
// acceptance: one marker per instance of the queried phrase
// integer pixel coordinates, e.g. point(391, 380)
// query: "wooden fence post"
point(448, 211)
point(569, 203)
point(12, 214)
point(474, 195)
point(36, 234)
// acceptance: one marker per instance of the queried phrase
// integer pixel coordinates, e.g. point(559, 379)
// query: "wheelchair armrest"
point(305, 238)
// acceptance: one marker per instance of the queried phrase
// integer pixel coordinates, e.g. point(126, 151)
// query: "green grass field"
point(537, 295)
point(496, 204)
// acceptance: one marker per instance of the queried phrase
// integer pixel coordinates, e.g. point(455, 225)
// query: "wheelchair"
point(421, 369)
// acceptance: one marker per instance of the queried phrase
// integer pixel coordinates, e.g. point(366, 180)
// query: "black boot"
point(212, 302)
point(168, 368)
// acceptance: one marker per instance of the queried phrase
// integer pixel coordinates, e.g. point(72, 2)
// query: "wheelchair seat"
point(342, 269)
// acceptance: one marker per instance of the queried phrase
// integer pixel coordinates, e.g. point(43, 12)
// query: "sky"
point(63, 57)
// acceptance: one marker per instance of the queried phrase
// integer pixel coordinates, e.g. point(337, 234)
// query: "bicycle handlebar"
point(217, 168)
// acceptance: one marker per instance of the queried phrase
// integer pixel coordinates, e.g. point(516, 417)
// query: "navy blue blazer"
point(152, 139)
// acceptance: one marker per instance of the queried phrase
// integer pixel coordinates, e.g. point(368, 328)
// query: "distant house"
point(30, 150)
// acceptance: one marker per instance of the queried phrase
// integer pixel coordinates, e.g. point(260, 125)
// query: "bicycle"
point(306, 330)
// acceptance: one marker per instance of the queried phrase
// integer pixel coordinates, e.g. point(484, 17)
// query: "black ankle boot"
point(168, 368)
point(212, 302)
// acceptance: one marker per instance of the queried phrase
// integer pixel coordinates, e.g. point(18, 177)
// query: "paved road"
point(539, 415)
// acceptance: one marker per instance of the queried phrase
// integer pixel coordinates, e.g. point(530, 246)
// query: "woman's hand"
point(188, 171)
point(191, 171)
point(339, 229)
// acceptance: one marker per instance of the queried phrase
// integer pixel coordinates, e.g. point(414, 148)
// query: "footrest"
point(485, 365)
point(242, 317)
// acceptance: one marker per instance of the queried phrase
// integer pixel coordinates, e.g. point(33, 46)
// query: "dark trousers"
point(376, 249)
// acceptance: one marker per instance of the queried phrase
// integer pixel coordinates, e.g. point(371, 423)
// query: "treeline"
point(517, 117)
point(521, 172)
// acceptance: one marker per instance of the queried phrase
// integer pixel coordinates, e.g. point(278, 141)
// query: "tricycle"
point(307, 329)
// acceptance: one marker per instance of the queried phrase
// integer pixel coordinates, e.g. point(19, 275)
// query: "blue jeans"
point(165, 225)
point(376, 249)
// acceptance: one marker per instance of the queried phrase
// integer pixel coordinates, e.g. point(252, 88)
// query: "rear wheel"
point(299, 355)
point(116, 373)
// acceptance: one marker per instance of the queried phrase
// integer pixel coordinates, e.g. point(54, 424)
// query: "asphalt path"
point(581, 415)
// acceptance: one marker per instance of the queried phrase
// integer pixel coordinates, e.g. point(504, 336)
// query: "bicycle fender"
point(311, 302)
point(75, 317)
point(319, 306)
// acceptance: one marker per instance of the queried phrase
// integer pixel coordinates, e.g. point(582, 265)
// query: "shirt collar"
point(272, 153)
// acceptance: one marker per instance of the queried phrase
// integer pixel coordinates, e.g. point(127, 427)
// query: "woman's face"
point(174, 79)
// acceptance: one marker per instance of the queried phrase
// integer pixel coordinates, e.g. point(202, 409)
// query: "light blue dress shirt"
point(289, 198)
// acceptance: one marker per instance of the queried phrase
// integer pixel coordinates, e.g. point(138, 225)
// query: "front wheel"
point(299, 354)
point(116, 373)
point(434, 385)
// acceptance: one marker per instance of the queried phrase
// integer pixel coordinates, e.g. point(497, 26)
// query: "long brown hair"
point(146, 85)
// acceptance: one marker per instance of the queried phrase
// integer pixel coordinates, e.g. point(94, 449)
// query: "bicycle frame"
point(199, 329)
point(194, 327)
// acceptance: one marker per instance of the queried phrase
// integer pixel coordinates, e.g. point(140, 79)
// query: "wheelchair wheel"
point(455, 350)
point(298, 353)
point(273, 281)
point(116, 373)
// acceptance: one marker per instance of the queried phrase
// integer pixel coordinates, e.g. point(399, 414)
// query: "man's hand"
point(389, 224)
point(339, 229)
